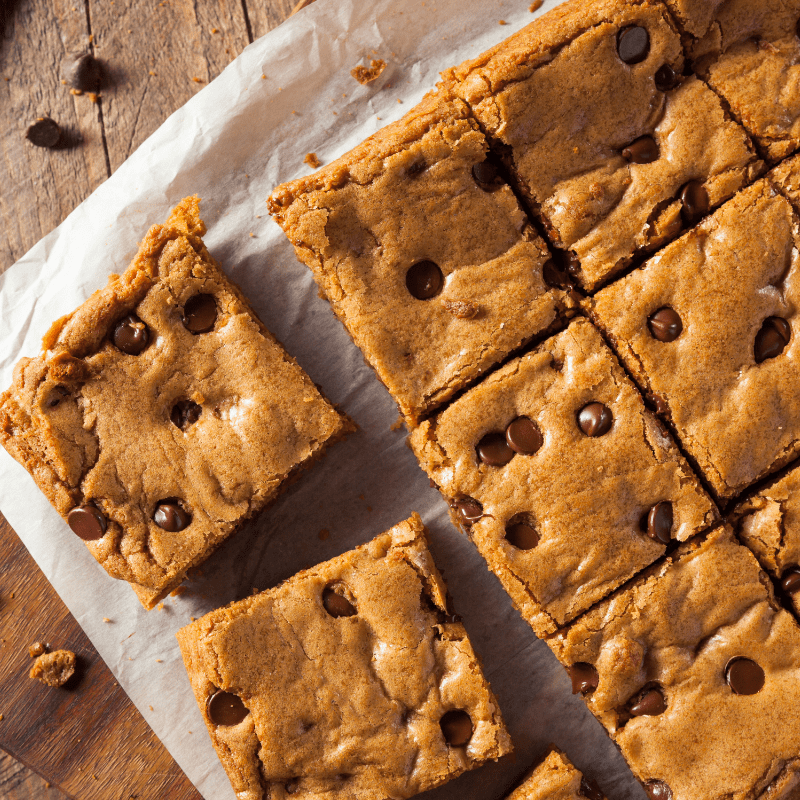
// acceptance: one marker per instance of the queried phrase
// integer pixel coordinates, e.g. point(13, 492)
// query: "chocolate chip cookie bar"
point(749, 53)
point(564, 481)
point(614, 150)
point(352, 678)
point(695, 659)
point(424, 254)
point(707, 326)
point(555, 778)
point(162, 414)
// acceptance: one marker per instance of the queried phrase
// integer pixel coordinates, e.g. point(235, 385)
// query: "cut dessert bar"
point(694, 670)
point(769, 524)
point(161, 414)
point(555, 778)
point(424, 254)
point(749, 52)
point(567, 485)
point(352, 679)
point(614, 150)
point(707, 326)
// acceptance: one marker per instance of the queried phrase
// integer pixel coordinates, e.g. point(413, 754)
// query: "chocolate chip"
point(416, 169)
point(594, 419)
point(170, 516)
point(424, 280)
point(695, 202)
point(666, 78)
point(772, 339)
point(658, 790)
point(292, 785)
point(665, 325)
point(522, 535)
point(523, 436)
point(554, 277)
point(590, 789)
point(584, 677)
point(659, 522)
point(83, 72)
point(335, 603)
point(744, 676)
point(457, 727)
point(643, 150)
point(131, 335)
point(87, 522)
point(633, 44)
point(44, 132)
point(485, 175)
point(185, 413)
point(493, 450)
point(225, 708)
point(790, 581)
point(650, 704)
point(471, 510)
point(200, 313)
point(55, 397)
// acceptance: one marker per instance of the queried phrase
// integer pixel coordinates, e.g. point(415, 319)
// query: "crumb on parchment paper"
point(312, 160)
point(535, 5)
point(365, 75)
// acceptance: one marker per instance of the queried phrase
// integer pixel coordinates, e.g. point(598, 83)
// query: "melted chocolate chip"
point(790, 580)
point(424, 280)
point(696, 204)
point(486, 176)
point(416, 169)
point(659, 522)
point(665, 325)
point(200, 313)
point(83, 72)
point(55, 397)
point(590, 789)
point(633, 44)
point(584, 677)
point(523, 436)
point(225, 708)
point(772, 339)
point(658, 790)
point(44, 133)
point(594, 419)
point(335, 603)
point(87, 522)
point(170, 516)
point(666, 78)
point(744, 676)
point(650, 704)
point(522, 535)
point(554, 277)
point(457, 727)
point(185, 413)
point(493, 450)
point(131, 335)
point(471, 510)
point(643, 150)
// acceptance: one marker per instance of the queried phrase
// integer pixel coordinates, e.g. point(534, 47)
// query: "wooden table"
point(87, 739)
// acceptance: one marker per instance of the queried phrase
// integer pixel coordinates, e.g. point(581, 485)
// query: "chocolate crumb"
point(43, 133)
point(365, 75)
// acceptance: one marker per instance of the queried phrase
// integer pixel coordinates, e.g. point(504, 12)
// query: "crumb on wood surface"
point(312, 160)
point(54, 669)
point(36, 649)
point(366, 75)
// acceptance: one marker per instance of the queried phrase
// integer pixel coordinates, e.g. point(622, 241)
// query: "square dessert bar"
point(694, 670)
point(564, 481)
point(613, 149)
point(161, 413)
point(749, 53)
point(769, 524)
point(555, 778)
point(707, 327)
point(424, 254)
point(350, 679)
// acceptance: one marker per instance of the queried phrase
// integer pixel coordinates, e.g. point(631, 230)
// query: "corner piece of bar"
point(556, 778)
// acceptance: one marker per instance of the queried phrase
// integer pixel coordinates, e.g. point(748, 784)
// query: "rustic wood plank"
point(39, 186)
point(268, 14)
point(159, 55)
point(17, 782)
point(86, 737)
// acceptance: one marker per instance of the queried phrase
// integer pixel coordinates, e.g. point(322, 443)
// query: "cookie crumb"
point(150, 707)
point(54, 669)
point(462, 309)
point(106, 619)
point(178, 591)
point(214, 30)
point(397, 424)
point(502, 22)
point(197, 80)
point(535, 5)
point(159, 661)
point(76, 92)
point(365, 75)
point(160, 606)
point(312, 160)
point(36, 649)
point(1, 718)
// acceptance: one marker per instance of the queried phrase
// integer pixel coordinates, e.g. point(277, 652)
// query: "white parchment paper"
point(232, 144)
